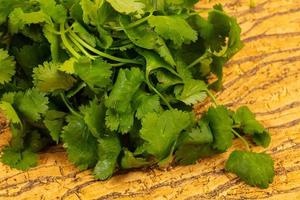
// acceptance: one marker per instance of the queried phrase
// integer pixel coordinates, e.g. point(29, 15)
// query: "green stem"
point(117, 64)
point(198, 60)
point(124, 46)
point(100, 53)
point(158, 93)
point(236, 126)
point(82, 49)
point(63, 97)
point(138, 22)
point(241, 138)
point(76, 90)
point(52, 30)
point(213, 98)
point(115, 28)
point(66, 42)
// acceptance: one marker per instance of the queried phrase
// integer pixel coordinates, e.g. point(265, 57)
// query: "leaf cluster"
point(115, 82)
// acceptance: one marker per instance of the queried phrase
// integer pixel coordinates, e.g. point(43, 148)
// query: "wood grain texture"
point(265, 75)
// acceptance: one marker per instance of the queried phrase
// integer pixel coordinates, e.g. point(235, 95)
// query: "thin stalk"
point(138, 22)
point(76, 90)
point(66, 42)
point(158, 93)
point(66, 102)
point(100, 53)
point(117, 64)
point(198, 60)
point(213, 98)
point(241, 138)
point(81, 48)
point(52, 30)
point(124, 46)
point(236, 126)
point(115, 28)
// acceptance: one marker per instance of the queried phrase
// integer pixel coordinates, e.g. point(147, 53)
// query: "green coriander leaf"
point(221, 35)
point(183, 71)
point(97, 74)
point(128, 6)
point(119, 121)
point(18, 19)
point(30, 56)
point(105, 38)
point(18, 135)
point(165, 162)
point(217, 69)
point(36, 141)
point(19, 160)
point(246, 121)
point(129, 161)
point(181, 3)
point(120, 115)
point(6, 6)
point(263, 139)
point(173, 28)
point(68, 66)
point(9, 112)
point(220, 123)
point(197, 135)
point(154, 62)
point(197, 142)
point(105, 13)
point(47, 78)
point(222, 26)
point(54, 121)
point(143, 36)
point(160, 131)
point(7, 67)
point(109, 149)
point(94, 117)
point(31, 104)
point(146, 103)
point(90, 10)
point(127, 84)
point(188, 154)
point(256, 169)
point(53, 39)
point(80, 144)
point(166, 80)
point(8, 97)
point(56, 11)
point(194, 91)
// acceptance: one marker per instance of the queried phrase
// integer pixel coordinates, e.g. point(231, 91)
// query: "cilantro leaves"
point(7, 67)
point(245, 120)
point(83, 153)
point(256, 169)
point(47, 78)
point(220, 123)
point(115, 82)
point(160, 131)
point(19, 160)
point(173, 28)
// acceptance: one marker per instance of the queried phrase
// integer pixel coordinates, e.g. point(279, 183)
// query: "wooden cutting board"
point(265, 75)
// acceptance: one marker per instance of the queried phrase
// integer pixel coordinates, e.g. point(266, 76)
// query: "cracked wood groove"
point(264, 76)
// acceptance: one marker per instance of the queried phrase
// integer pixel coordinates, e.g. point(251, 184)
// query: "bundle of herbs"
point(115, 82)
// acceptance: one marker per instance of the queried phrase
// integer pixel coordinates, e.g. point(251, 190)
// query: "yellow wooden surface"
point(264, 76)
